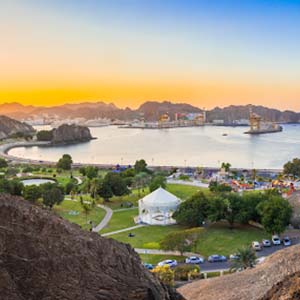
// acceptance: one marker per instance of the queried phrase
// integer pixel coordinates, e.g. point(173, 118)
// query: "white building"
point(158, 207)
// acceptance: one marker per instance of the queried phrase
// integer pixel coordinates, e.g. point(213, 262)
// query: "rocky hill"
point(66, 134)
point(277, 278)
point(9, 127)
point(44, 257)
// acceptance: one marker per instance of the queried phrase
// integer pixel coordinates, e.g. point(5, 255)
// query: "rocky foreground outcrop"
point(9, 127)
point(44, 257)
point(66, 134)
point(277, 278)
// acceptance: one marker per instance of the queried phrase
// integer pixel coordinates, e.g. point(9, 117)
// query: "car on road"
point(276, 240)
point(194, 260)
point(217, 258)
point(266, 243)
point(148, 266)
point(234, 256)
point(168, 262)
point(286, 241)
point(256, 246)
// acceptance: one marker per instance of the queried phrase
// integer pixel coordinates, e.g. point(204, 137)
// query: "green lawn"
point(218, 238)
point(121, 220)
point(185, 191)
point(146, 237)
point(96, 215)
point(155, 259)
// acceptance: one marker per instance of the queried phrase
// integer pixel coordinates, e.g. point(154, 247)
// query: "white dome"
point(159, 198)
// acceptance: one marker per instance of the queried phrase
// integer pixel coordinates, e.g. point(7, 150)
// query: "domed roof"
point(160, 197)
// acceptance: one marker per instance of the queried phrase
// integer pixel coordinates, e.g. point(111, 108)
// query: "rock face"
point(66, 134)
point(277, 275)
point(9, 127)
point(44, 257)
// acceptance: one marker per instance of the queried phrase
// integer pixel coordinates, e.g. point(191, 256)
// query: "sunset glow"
point(207, 53)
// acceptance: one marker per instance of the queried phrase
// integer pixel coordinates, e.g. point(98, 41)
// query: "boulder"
point(66, 134)
point(43, 257)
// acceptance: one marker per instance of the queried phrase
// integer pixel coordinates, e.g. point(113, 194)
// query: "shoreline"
point(6, 147)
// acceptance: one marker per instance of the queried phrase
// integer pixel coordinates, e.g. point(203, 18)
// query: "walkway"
point(105, 220)
point(192, 183)
point(122, 230)
point(163, 252)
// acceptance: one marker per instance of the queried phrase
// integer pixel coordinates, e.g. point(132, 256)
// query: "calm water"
point(36, 181)
point(196, 146)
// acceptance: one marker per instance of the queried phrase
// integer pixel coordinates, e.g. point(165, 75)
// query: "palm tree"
point(245, 258)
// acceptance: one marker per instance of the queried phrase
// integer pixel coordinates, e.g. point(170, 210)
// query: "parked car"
point(256, 246)
point(194, 260)
point(217, 258)
point(276, 240)
point(286, 241)
point(148, 266)
point(169, 262)
point(234, 256)
point(266, 243)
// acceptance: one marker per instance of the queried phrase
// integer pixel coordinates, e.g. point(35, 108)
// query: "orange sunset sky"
point(207, 53)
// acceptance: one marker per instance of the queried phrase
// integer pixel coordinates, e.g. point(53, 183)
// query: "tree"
point(65, 163)
point(105, 191)
point(87, 207)
point(193, 212)
point(216, 187)
point(165, 274)
point(292, 168)
point(275, 213)
point(234, 211)
point(140, 166)
point(3, 163)
point(52, 194)
point(140, 181)
point(226, 166)
point(82, 171)
point(117, 184)
point(70, 186)
point(91, 172)
point(44, 135)
point(32, 193)
point(156, 182)
point(246, 258)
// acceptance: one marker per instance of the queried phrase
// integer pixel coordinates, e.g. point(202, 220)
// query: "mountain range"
point(150, 111)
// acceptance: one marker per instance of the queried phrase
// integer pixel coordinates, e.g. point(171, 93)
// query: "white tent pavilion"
point(158, 207)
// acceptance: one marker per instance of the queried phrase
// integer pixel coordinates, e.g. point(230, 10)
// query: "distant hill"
point(10, 127)
point(150, 110)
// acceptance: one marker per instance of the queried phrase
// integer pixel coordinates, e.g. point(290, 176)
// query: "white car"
point(276, 240)
point(286, 241)
point(194, 260)
point(266, 243)
point(256, 246)
point(168, 262)
point(234, 256)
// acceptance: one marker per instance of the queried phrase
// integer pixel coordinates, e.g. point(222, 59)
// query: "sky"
point(204, 52)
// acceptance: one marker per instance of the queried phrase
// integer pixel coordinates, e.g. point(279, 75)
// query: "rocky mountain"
point(233, 112)
point(66, 134)
point(150, 111)
point(276, 278)
point(43, 256)
point(9, 127)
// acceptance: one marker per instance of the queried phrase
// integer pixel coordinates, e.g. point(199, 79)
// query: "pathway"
point(163, 252)
point(192, 183)
point(105, 220)
point(79, 180)
point(122, 230)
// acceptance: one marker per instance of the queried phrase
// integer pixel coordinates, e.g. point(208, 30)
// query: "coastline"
point(6, 147)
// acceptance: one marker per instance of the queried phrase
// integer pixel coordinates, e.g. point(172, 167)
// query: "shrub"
point(186, 272)
point(165, 274)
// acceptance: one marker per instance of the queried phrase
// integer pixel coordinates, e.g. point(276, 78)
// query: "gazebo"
point(158, 207)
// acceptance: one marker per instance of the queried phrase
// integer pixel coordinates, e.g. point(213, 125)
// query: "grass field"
point(219, 239)
point(96, 215)
point(147, 237)
point(185, 191)
point(121, 220)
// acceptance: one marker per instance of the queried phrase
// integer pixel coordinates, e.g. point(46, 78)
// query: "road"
point(207, 266)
